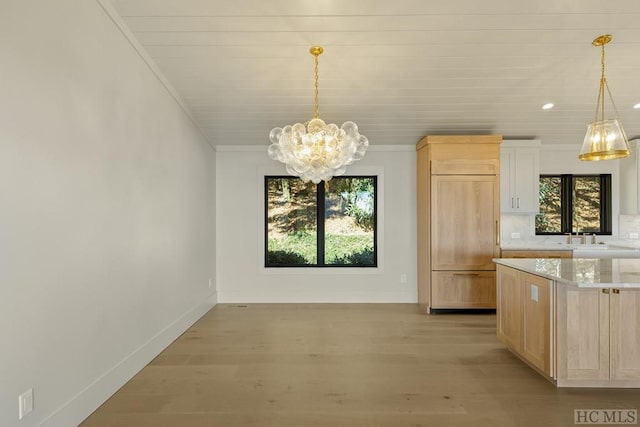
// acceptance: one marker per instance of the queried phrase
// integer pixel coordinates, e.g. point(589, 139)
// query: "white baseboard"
point(88, 400)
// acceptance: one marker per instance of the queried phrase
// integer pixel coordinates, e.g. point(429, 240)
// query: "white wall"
point(107, 211)
point(240, 234)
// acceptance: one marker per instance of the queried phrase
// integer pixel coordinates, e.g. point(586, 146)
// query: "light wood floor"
point(346, 365)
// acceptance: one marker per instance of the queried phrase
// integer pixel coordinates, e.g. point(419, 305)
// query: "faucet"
point(571, 237)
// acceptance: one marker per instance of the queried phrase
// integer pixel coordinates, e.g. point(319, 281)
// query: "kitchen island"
point(575, 321)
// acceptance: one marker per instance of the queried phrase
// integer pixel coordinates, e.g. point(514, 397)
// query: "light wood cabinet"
point(598, 336)
point(624, 318)
point(525, 317)
point(509, 310)
point(537, 319)
point(574, 336)
point(464, 225)
point(519, 176)
point(512, 253)
point(458, 221)
point(583, 334)
point(463, 289)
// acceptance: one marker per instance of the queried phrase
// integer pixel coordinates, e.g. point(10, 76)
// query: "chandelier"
point(605, 138)
point(317, 151)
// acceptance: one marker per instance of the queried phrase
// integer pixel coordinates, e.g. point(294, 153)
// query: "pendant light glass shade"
point(605, 138)
point(317, 151)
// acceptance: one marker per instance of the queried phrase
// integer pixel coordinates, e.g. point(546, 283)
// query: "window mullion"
point(605, 204)
point(320, 210)
point(567, 203)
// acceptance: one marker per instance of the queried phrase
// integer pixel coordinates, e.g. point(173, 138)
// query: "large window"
point(574, 204)
point(331, 224)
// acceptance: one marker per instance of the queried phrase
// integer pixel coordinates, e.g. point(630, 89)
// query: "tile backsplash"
point(629, 227)
point(515, 228)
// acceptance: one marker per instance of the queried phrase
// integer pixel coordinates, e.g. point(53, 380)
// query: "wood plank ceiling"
point(400, 69)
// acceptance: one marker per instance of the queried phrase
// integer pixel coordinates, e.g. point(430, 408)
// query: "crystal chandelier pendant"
point(317, 151)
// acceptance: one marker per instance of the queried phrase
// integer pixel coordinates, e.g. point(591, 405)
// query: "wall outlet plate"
point(25, 403)
point(633, 235)
point(515, 235)
point(534, 293)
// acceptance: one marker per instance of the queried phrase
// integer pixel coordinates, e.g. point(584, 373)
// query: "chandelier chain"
point(316, 114)
point(603, 82)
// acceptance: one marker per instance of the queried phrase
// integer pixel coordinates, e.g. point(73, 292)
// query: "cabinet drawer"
point(463, 289)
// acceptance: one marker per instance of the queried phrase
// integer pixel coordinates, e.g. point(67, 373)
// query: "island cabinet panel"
point(598, 337)
point(583, 332)
point(537, 322)
point(463, 289)
point(509, 310)
point(574, 331)
point(625, 333)
point(525, 317)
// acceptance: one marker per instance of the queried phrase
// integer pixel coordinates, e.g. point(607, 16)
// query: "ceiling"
point(400, 69)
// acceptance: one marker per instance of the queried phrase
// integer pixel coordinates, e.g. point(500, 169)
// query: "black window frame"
point(320, 218)
point(566, 201)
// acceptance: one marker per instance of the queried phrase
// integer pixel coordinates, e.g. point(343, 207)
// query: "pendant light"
point(605, 138)
point(316, 151)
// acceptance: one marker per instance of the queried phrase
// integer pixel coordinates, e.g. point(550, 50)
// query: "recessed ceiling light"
point(637, 106)
point(547, 106)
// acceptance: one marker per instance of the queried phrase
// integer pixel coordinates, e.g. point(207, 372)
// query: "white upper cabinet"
point(629, 179)
point(519, 176)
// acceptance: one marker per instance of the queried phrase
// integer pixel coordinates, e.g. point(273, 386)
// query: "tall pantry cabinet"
point(458, 221)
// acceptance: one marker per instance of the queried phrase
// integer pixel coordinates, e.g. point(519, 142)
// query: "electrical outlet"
point(633, 235)
point(515, 235)
point(25, 403)
point(210, 283)
point(403, 278)
point(534, 293)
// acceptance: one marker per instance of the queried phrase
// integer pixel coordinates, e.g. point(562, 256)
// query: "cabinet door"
point(526, 180)
point(464, 222)
point(507, 172)
point(519, 179)
point(625, 333)
point(537, 321)
point(583, 333)
point(509, 308)
point(463, 289)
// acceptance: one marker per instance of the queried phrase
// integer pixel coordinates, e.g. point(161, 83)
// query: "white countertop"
point(557, 246)
point(581, 272)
